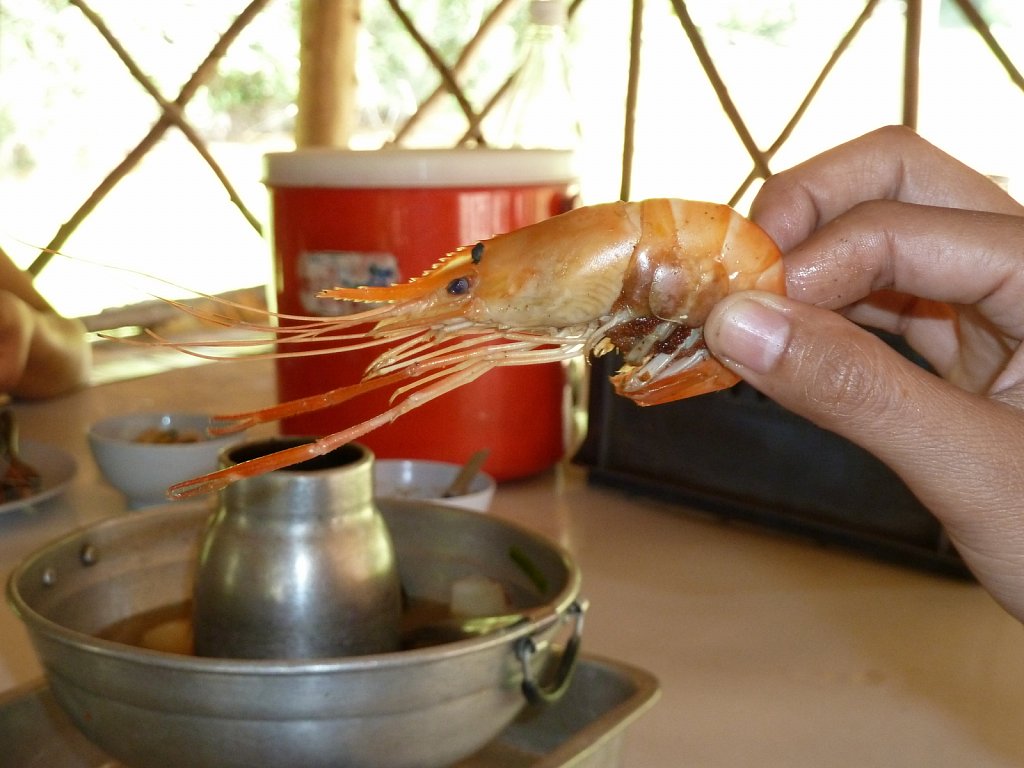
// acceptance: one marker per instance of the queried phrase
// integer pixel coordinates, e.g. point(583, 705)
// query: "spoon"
point(460, 485)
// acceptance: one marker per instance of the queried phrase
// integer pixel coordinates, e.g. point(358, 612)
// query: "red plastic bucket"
point(387, 216)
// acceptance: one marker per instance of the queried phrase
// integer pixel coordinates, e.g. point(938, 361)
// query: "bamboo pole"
point(632, 86)
point(467, 58)
point(202, 73)
point(804, 105)
point(721, 91)
point(981, 27)
point(169, 109)
point(912, 63)
point(327, 73)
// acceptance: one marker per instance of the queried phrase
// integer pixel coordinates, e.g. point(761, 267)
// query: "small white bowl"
point(143, 471)
point(425, 480)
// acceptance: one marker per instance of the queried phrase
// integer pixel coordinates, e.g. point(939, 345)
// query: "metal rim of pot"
point(564, 605)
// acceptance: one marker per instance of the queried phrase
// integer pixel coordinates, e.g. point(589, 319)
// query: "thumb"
point(957, 451)
point(821, 366)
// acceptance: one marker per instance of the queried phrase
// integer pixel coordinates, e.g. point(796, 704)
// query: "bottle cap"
point(549, 13)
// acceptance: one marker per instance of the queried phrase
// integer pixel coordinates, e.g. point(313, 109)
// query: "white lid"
point(418, 168)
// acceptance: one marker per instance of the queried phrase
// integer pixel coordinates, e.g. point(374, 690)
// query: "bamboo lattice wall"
point(327, 87)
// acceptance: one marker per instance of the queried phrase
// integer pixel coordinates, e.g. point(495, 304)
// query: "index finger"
point(952, 281)
point(892, 163)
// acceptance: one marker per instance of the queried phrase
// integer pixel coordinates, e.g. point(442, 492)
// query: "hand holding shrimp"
point(637, 277)
point(890, 231)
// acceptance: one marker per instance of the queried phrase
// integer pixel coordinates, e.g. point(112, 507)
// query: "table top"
point(769, 650)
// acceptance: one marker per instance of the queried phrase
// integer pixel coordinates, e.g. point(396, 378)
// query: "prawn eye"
point(458, 286)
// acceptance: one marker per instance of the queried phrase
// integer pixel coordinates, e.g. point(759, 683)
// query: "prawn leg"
point(701, 379)
point(215, 481)
point(229, 424)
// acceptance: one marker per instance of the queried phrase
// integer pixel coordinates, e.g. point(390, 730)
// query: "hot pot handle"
point(534, 692)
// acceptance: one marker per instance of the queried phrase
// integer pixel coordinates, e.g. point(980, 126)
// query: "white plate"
point(57, 468)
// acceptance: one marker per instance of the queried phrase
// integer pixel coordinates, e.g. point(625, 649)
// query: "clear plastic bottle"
point(537, 111)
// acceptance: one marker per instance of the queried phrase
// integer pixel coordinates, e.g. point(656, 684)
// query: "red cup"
point(353, 217)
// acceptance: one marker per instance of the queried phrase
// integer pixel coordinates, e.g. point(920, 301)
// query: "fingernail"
point(751, 332)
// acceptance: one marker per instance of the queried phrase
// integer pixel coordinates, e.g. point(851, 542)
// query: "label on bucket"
point(321, 270)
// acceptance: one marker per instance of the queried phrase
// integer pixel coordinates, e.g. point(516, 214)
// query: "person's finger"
point(934, 253)
point(819, 365)
point(16, 327)
point(891, 163)
point(843, 378)
point(903, 268)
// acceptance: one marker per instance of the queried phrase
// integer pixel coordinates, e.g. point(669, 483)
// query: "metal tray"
point(584, 729)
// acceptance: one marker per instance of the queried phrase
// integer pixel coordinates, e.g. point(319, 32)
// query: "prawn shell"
point(690, 256)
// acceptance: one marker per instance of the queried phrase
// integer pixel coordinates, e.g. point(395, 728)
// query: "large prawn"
point(639, 277)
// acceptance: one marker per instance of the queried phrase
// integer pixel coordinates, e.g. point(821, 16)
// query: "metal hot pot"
point(420, 708)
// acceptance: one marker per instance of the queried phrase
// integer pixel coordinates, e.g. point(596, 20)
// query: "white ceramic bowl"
point(425, 480)
point(143, 471)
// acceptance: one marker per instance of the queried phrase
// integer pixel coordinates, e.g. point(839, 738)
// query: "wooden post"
point(327, 73)
point(912, 63)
